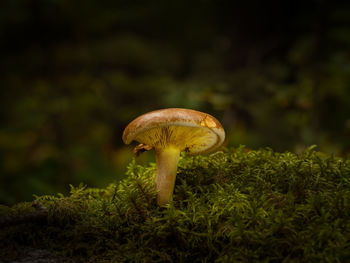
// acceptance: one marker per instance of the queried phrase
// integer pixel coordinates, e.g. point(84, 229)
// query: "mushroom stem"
point(166, 160)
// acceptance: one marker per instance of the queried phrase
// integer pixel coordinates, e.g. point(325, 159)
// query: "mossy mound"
point(231, 206)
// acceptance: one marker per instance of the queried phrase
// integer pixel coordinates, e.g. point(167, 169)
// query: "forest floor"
point(33, 255)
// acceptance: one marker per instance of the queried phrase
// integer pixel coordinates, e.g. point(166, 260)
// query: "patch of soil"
point(32, 255)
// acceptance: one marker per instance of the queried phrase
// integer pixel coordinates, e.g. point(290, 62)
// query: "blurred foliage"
point(232, 206)
point(74, 73)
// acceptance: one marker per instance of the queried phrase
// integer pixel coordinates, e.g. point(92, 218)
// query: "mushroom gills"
point(189, 139)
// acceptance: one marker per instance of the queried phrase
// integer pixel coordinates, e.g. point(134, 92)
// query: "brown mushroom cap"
point(188, 130)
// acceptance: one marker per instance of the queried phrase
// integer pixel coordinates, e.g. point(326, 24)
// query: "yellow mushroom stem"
point(166, 160)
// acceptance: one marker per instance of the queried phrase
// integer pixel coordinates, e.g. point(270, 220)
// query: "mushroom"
point(169, 132)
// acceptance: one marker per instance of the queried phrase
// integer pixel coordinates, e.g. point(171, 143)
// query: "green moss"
point(236, 205)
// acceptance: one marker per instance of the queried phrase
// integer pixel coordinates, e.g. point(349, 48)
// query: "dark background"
point(73, 74)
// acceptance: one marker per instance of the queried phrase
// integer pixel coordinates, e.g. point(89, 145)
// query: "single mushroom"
point(169, 132)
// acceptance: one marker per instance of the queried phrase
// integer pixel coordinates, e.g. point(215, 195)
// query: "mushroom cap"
point(188, 130)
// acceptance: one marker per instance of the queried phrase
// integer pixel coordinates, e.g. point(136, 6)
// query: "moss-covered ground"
point(232, 206)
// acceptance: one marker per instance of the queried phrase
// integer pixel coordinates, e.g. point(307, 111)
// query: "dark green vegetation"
point(75, 73)
point(237, 205)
